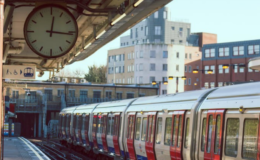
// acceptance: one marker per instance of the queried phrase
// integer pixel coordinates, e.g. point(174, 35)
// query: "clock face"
point(50, 31)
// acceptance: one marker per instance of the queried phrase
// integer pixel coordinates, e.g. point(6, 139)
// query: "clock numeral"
point(61, 49)
point(41, 48)
point(34, 21)
point(41, 14)
point(68, 41)
point(34, 41)
point(68, 22)
point(61, 14)
point(51, 52)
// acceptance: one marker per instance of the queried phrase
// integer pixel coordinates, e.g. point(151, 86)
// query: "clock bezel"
point(49, 6)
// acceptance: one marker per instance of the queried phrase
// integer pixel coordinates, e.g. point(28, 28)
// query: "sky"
point(231, 20)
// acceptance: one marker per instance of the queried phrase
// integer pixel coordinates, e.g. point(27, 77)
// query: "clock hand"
point(52, 26)
point(59, 32)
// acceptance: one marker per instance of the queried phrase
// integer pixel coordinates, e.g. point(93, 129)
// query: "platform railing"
point(26, 105)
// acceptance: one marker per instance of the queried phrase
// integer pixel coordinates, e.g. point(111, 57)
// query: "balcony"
point(27, 105)
point(254, 63)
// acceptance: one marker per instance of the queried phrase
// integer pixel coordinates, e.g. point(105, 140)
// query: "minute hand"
point(59, 32)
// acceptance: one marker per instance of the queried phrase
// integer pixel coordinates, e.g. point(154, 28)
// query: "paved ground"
point(18, 148)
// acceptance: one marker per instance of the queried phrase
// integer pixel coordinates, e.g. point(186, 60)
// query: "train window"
point(116, 126)
point(99, 129)
point(129, 126)
point(250, 138)
point(74, 121)
point(151, 127)
point(112, 125)
point(175, 127)
point(204, 123)
point(137, 128)
point(94, 123)
point(109, 126)
point(159, 131)
point(168, 130)
point(87, 123)
point(210, 127)
point(104, 124)
point(179, 132)
point(217, 136)
point(232, 135)
point(144, 127)
point(187, 131)
point(132, 127)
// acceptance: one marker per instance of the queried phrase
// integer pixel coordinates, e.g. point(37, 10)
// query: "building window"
point(172, 41)
point(165, 54)
point(157, 30)
point(206, 68)
point(83, 95)
point(136, 32)
point(206, 85)
point(108, 95)
point(189, 81)
point(146, 31)
point(31, 98)
point(220, 84)
point(180, 29)
point(241, 69)
point(133, 68)
point(96, 96)
point(164, 91)
point(129, 95)
point(156, 14)
point(250, 70)
point(140, 67)
point(253, 49)
point(188, 31)
point(131, 33)
point(15, 95)
point(140, 79)
point(165, 67)
point(164, 79)
point(186, 55)
point(223, 52)
point(165, 15)
point(60, 92)
point(152, 79)
point(48, 94)
point(177, 55)
point(152, 67)
point(190, 69)
point(180, 42)
point(177, 67)
point(213, 69)
point(212, 84)
point(185, 82)
point(209, 52)
point(238, 50)
point(185, 68)
point(118, 96)
point(152, 54)
point(141, 54)
point(71, 93)
point(173, 28)
point(136, 67)
point(220, 69)
point(190, 55)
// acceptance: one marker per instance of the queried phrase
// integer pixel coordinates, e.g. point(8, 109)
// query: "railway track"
point(56, 151)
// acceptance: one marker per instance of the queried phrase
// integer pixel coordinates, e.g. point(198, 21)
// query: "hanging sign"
point(18, 72)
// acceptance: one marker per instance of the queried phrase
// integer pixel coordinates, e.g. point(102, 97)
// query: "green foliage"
point(96, 74)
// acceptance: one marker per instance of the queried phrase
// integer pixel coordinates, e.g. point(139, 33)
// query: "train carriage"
point(109, 118)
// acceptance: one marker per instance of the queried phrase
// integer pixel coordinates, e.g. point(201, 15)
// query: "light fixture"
point(165, 82)
point(154, 83)
point(117, 19)
point(241, 109)
point(195, 84)
point(170, 77)
point(70, 60)
point(195, 71)
point(137, 3)
point(225, 66)
point(209, 71)
point(100, 34)
point(183, 77)
point(87, 45)
point(77, 53)
point(242, 65)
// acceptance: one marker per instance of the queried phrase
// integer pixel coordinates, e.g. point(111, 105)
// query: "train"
point(209, 124)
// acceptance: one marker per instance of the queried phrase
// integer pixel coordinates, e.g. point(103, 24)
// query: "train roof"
point(235, 96)
point(86, 108)
point(68, 110)
point(113, 106)
point(179, 101)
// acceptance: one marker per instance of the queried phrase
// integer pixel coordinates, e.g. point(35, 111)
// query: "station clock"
point(50, 31)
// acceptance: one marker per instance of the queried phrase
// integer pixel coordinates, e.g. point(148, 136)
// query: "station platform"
point(19, 148)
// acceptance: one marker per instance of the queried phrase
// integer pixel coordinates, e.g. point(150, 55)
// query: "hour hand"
point(67, 33)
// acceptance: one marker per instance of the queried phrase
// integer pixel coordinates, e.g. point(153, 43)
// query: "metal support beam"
point(9, 10)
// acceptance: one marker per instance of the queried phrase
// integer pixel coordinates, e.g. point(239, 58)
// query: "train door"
point(99, 131)
point(187, 137)
point(74, 122)
point(214, 130)
point(84, 129)
point(63, 127)
point(163, 135)
point(177, 135)
point(78, 129)
point(67, 128)
point(110, 130)
point(94, 130)
point(130, 136)
point(202, 134)
point(116, 134)
point(104, 120)
point(149, 144)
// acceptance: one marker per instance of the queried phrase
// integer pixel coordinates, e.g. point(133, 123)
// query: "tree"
point(78, 73)
point(63, 73)
point(96, 74)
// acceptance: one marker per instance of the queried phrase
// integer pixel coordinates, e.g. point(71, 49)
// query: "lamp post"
point(177, 80)
point(241, 65)
point(196, 71)
point(164, 82)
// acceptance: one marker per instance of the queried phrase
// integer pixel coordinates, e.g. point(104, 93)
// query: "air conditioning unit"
point(57, 78)
point(73, 80)
point(82, 81)
point(64, 79)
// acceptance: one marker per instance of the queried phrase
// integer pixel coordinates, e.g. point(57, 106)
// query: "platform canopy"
point(99, 22)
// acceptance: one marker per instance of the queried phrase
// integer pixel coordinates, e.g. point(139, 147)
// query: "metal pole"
point(177, 82)
point(2, 2)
